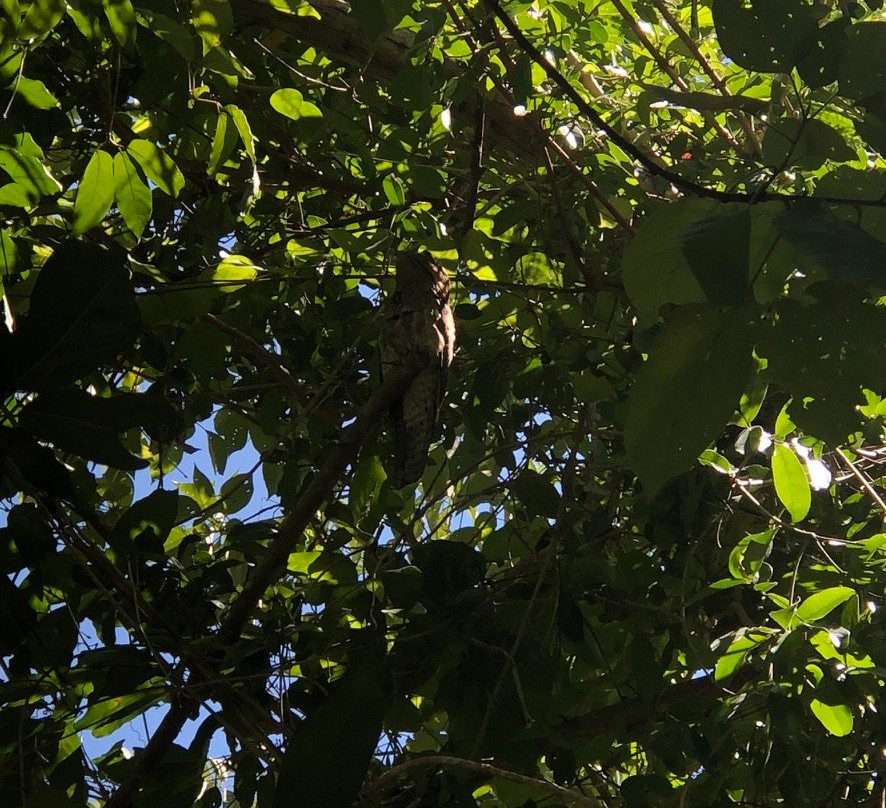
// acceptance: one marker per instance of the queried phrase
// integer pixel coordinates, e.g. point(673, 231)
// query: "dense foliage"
point(645, 565)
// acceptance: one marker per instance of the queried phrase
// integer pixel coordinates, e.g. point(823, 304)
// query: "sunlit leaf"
point(212, 19)
point(835, 718)
point(791, 483)
point(291, 103)
point(157, 165)
point(823, 603)
point(42, 16)
point(95, 194)
point(121, 18)
point(132, 195)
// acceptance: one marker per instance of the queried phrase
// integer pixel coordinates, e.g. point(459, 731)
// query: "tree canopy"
point(645, 563)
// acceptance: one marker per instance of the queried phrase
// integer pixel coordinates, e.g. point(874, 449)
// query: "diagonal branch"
point(261, 356)
point(487, 770)
point(705, 65)
point(273, 563)
point(592, 115)
point(665, 66)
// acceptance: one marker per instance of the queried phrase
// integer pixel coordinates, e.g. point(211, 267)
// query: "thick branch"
point(390, 777)
point(273, 562)
point(164, 736)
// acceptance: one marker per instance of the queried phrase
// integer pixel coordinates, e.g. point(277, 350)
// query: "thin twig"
point(871, 491)
point(261, 355)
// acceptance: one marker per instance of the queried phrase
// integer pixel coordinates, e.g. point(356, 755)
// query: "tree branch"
point(487, 770)
point(717, 80)
point(164, 736)
point(273, 562)
point(641, 157)
point(260, 355)
point(665, 66)
point(592, 115)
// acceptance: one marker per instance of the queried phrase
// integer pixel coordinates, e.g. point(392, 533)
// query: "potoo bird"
point(417, 329)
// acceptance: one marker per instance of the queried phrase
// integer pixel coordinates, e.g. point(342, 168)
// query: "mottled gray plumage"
point(418, 329)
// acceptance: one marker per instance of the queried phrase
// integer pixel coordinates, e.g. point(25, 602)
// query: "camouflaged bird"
point(417, 328)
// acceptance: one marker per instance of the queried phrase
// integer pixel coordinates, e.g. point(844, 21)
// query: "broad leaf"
point(157, 165)
point(791, 483)
point(121, 18)
point(654, 266)
point(835, 718)
point(291, 103)
point(686, 391)
point(82, 313)
point(95, 194)
point(823, 603)
point(330, 750)
point(132, 195)
point(84, 425)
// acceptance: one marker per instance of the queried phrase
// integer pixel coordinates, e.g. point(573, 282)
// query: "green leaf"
point(35, 93)
point(394, 189)
point(121, 18)
point(176, 35)
point(428, 181)
point(132, 195)
point(291, 103)
point(808, 144)
point(41, 18)
point(157, 165)
point(686, 391)
point(835, 718)
point(737, 652)
point(791, 483)
point(823, 603)
point(232, 273)
point(88, 426)
point(846, 251)
point(749, 554)
point(236, 492)
point(243, 127)
point(85, 16)
point(862, 74)
point(705, 101)
point(767, 37)
point(536, 493)
point(654, 266)
point(329, 752)
point(95, 194)
point(11, 11)
point(146, 524)
point(223, 142)
point(248, 139)
point(646, 790)
point(376, 16)
point(823, 353)
point(212, 19)
point(717, 249)
point(82, 314)
point(23, 161)
point(366, 483)
point(105, 716)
